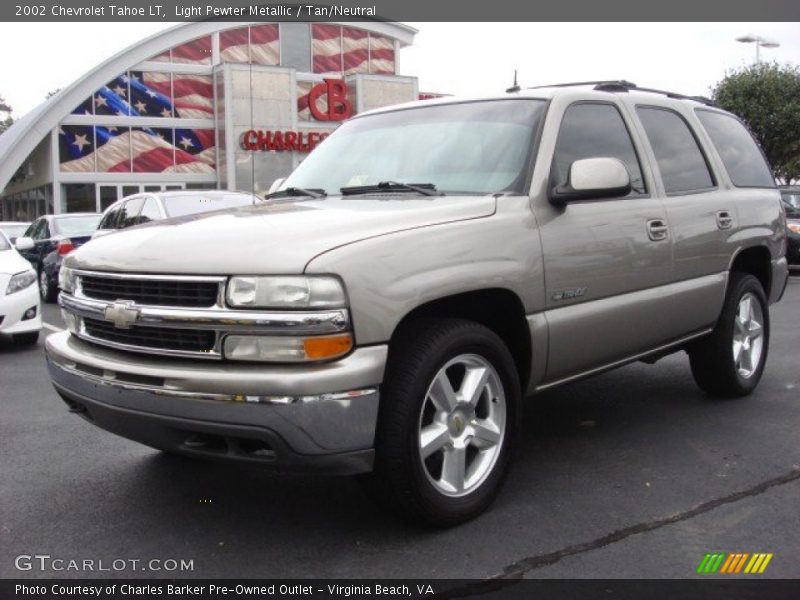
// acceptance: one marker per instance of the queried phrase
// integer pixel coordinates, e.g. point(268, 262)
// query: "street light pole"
point(759, 42)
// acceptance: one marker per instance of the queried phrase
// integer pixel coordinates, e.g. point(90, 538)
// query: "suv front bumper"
point(309, 417)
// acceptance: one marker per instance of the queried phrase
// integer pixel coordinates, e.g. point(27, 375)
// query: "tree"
point(5, 115)
point(767, 98)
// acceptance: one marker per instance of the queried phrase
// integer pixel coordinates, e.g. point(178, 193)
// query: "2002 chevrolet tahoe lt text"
point(418, 275)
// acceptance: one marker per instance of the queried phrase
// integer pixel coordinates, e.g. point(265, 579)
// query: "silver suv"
point(419, 274)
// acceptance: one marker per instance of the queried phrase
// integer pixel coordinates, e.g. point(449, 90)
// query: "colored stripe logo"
point(734, 563)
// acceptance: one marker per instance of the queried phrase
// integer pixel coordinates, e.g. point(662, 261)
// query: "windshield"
point(14, 231)
point(76, 226)
point(474, 147)
point(179, 205)
point(791, 201)
point(4, 243)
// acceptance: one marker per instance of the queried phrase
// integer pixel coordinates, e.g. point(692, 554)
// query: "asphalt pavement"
point(631, 474)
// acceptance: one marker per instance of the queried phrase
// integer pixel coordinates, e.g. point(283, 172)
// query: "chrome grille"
point(152, 292)
point(161, 338)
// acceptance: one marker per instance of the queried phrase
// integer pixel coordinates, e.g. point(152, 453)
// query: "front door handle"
point(657, 230)
point(724, 219)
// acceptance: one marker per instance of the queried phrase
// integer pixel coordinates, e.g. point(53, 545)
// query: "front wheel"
point(447, 422)
point(730, 361)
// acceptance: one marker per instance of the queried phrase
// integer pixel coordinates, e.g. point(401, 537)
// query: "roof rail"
point(618, 82)
point(622, 85)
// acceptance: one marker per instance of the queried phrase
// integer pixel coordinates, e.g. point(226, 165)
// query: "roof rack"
point(621, 85)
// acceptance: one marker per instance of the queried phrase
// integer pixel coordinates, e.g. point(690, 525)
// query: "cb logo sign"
point(339, 107)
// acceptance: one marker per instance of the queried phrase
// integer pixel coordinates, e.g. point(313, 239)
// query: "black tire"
point(401, 480)
point(26, 339)
point(712, 358)
point(48, 292)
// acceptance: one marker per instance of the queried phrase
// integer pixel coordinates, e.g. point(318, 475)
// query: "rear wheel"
point(47, 292)
point(730, 361)
point(447, 422)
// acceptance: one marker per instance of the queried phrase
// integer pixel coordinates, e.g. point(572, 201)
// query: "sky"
point(454, 58)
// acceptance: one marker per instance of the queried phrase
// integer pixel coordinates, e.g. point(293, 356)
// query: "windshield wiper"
point(426, 189)
point(296, 191)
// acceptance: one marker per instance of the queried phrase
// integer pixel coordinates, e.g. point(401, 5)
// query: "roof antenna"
point(515, 87)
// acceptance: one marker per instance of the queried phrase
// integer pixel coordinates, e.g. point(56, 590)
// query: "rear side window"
point(680, 160)
point(591, 130)
point(738, 150)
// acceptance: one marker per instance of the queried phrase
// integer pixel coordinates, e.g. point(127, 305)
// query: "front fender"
point(389, 276)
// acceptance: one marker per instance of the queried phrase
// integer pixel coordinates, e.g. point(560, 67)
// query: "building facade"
point(201, 105)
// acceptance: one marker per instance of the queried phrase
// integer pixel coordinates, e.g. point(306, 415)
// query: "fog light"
point(29, 314)
point(287, 349)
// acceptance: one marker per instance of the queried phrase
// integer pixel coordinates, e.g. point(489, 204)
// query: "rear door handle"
point(657, 230)
point(724, 219)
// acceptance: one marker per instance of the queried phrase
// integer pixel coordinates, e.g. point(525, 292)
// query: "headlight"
point(66, 280)
point(20, 281)
point(286, 348)
point(292, 292)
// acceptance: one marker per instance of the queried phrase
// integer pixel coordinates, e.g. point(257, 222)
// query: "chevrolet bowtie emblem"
point(122, 314)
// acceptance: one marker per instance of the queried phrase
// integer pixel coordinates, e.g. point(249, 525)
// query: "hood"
point(11, 263)
point(271, 238)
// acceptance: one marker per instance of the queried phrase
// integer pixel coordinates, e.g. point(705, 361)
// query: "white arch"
point(17, 143)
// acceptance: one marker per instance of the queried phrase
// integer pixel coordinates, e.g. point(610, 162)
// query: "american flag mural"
point(258, 44)
point(193, 96)
point(196, 52)
point(151, 94)
point(337, 50)
point(355, 50)
point(326, 48)
point(265, 45)
point(143, 150)
point(381, 55)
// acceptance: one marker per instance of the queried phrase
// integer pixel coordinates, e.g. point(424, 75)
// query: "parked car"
point(791, 206)
point(427, 267)
point(144, 208)
point(13, 229)
point(53, 237)
point(20, 316)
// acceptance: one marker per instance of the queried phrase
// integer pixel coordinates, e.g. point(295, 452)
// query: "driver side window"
point(592, 130)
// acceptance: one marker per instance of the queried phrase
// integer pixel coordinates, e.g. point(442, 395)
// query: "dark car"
point(791, 205)
point(55, 236)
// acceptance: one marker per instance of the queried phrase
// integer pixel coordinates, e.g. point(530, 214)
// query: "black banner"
point(499, 589)
point(405, 10)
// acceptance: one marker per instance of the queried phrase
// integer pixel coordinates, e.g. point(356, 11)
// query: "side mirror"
point(24, 243)
point(593, 179)
point(276, 185)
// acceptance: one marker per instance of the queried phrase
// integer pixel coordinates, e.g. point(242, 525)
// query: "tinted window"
point(149, 211)
point(109, 221)
point(130, 213)
point(791, 202)
point(680, 160)
point(592, 131)
point(38, 231)
point(738, 150)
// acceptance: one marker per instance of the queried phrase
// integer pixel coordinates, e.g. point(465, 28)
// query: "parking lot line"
point(52, 327)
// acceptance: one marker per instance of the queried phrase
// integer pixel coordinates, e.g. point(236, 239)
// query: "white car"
point(20, 312)
point(144, 208)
